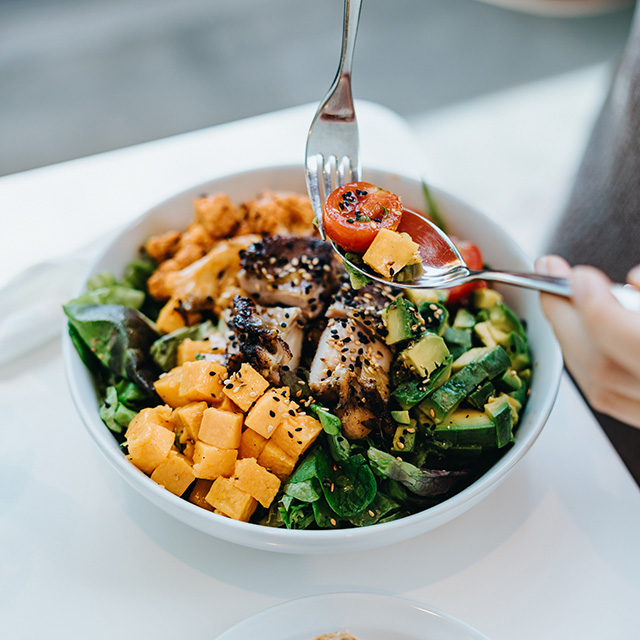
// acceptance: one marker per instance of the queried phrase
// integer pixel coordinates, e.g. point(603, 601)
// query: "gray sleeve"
point(601, 225)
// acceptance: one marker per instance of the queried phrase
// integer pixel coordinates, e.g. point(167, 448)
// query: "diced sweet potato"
point(149, 437)
point(251, 444)
point(296, 434)
point(274, 459)
point(198, 493)
point(210, 461)
point(256, 480)
point(267, 413)
point(174, 473)
point(225, 496)
point(245, 386)
point(187, 420)
point(221, 428)
point(390, 251)
point(167, 386)
point(202, 380)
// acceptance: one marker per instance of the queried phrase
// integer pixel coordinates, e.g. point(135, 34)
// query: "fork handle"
point(351, 19)
point(627, 295)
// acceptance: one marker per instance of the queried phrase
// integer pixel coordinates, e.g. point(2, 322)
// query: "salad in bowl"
point(240, 377)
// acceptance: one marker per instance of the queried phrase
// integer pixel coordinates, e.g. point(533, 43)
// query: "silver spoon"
point(443, 267)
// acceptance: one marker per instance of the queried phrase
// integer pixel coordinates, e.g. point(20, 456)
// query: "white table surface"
point(551, 553)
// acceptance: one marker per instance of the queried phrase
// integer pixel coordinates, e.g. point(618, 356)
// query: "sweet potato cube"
point(210, 461)
point(251, 444)
point(187, 420)
point(167, 386)
point(222, 428)
point(172, 316)
point(268, 412)
point(296, 434)
point(225, 496)
point(391, 251)
point(202, 380)
point(198, 493)
point(245, 386)
point(256, 480)
point(174, 473)
point(189, 350)
point(149, 437)
point(276, 460)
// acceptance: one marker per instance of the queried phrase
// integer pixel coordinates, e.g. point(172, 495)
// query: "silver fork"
point(332, 157)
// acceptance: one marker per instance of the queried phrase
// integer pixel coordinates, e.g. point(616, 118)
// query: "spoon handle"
point(627, 296)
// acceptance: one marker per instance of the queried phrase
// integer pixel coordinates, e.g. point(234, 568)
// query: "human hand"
point(600, 339)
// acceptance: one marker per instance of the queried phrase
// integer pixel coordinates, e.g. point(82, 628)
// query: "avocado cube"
point(418, 296)
point(467, 427)
point(486, 298)
point(425, 355)
point(505, 320)
point(409, 394)
point(500, 411)
point(489, 335)
point(401, 417)
point(517, 348)
point(401, 320)
point(464, 319)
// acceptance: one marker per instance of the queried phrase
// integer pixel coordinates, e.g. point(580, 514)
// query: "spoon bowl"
point(443, 267)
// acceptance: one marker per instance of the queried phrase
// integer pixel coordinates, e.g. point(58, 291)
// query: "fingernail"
point(634, 276)
point(541, 266)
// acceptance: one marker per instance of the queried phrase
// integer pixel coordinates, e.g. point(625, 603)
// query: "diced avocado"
point(418, 296)
point(404, 439)
point(401, 417)
point(458, 340)
point(409, 394)
point(500, 411)
point(495, 361)
point(425, 355)
point(447, 397)
point(516, 405)
point(503, 319)
point(467, 427)
point(486, 298)
point(519, 395)
point(489, 364)
point(470, 356)
point(464, 319)
point(489, 335)
point(402, 321)
point(509, 381)
point(525, 375)
point(409, 272)
point(435, 316)
point(481, 395)
point(517, 348)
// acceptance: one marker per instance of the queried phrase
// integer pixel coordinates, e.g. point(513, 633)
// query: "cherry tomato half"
point(473, 257)
point(355, 212)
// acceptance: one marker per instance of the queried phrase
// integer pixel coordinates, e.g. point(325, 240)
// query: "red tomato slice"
point(354, 213)
point(473, 257)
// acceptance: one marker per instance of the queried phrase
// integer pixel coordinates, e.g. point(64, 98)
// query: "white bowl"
point(498, 249)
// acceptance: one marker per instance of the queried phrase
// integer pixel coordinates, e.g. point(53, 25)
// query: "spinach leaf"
point(165, 349)
point(113, 294)
point(422, 482)
point(119, 337)
point(381, 507)
point(339, 446)
point(349, 486)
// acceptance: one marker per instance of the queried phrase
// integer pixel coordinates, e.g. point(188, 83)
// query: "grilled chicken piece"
point(265, 337)
point(365, 305)
point(289, 271)
point(351, 372)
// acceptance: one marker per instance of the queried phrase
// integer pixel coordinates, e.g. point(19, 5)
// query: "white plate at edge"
point(367, 616)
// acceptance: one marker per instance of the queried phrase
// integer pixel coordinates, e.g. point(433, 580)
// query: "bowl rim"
point(272, 538)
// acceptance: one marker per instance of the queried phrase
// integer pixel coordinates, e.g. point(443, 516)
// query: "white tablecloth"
point(551, 553)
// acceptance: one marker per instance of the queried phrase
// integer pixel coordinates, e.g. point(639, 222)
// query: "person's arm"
point(600, 339)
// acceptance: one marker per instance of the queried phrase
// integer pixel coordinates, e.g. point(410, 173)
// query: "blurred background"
point(78, 77)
